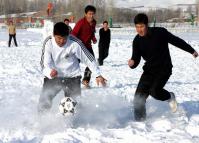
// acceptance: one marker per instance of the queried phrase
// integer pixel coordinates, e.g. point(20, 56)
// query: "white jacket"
point(65, 59)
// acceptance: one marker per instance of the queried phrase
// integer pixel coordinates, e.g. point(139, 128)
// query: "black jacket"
point(153, 48)
point(105, 37)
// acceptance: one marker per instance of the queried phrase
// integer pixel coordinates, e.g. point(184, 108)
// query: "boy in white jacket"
point(61, 68)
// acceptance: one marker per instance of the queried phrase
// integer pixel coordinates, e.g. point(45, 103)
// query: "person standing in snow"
point(12, 33)
point(152, 45)
point(60, 66)
point(104, 42)
point(85, 31)
point(67, 21)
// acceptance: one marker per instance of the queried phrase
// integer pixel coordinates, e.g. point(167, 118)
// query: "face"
point(141, 29)
point(105, 25)
point(90, 16)
point(66, 22)
point(61, 41)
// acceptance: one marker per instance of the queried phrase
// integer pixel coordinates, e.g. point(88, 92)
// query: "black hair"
point(66, 19)
point(141, 18)
point(90, 8)
point(61, 29)
point(105, 22)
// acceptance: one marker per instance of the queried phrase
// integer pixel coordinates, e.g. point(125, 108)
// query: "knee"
point(154, 92)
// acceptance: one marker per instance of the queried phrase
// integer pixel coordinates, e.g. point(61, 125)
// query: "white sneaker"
point(173, 103)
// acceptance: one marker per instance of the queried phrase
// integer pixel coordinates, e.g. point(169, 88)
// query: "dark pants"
point(51, 87)
point(10, 39)
point(103, 53)
point(87, 72)
point(149, 84)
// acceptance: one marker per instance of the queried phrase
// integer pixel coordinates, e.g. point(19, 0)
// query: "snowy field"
point(104, 115)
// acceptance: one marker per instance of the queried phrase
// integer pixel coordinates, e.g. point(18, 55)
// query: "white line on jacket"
point(65, 59)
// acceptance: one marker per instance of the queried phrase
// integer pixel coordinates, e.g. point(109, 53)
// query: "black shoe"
point(139, 119)
point(139, 112)
point(100, 63)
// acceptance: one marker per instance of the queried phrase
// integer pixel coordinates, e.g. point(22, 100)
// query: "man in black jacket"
point(152, 45)
point(104, 42)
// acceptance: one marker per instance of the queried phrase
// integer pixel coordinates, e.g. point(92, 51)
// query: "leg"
point(141, 94)
point(87, 72)
point(73, 87)
point(101, 55)
point(106, 51)
point(50, 88)
point(14, 36)
point(157, 86)
point(10, 39)
point(87, 75)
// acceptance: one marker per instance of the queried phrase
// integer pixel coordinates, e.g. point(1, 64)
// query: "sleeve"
point(100, 32)
point(76, 29)
point(109, 39)
point(178, 42)
point(136, 56)
point(48, 63)
point(94, 39)
point(84, 55)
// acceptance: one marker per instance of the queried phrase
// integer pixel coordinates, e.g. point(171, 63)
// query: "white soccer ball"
point(67, 106)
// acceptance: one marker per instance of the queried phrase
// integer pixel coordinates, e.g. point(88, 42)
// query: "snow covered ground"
point(104, 114)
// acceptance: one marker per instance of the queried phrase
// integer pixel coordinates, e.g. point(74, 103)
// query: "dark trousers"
point(87, 72)
point(153, 85)
point(51, 87)
point(10, 39)
point(103, 53)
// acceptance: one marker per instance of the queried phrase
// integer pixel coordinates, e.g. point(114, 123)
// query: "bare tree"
point(197, 2)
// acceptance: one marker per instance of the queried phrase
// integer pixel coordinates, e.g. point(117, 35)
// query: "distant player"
point(12, 33)
point(67, 21)
point(104, 42)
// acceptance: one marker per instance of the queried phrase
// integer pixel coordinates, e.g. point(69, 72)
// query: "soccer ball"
point(67, 106)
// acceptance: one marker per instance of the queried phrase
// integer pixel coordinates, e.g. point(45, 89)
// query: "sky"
point(151, 3)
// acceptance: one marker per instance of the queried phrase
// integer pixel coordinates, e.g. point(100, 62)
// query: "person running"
point(104, 42)
point(12, 33)
point(67, 21)
point(60, 66)
point(152, 45)
point(85, 31)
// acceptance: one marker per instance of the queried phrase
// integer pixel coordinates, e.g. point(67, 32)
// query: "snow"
point(104, 115)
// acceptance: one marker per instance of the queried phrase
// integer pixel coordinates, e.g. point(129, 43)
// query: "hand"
point(195, 54)
point(131, 62)
point(53, 73)
point(94, 42)
point(101, 80)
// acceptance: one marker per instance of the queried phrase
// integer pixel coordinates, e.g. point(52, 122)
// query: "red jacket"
point(85, 32)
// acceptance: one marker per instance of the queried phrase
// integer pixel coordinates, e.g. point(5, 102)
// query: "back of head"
point(141, 18)
point(90, 8)
point(61, 29)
